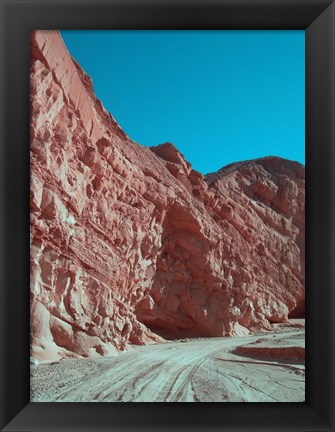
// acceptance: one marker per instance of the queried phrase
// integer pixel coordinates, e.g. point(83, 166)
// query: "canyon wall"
point(130, 245)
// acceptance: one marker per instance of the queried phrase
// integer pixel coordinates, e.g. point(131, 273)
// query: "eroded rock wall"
point(129, 244)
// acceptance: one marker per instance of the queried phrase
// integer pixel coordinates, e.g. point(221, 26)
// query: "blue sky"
point(219, 96)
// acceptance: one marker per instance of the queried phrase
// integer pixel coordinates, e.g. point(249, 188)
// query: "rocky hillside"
point(130, 245)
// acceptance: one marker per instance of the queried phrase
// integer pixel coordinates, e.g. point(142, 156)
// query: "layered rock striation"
point(130, 245)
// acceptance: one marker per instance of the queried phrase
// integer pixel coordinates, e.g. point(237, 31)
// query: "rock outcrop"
point(130, 245)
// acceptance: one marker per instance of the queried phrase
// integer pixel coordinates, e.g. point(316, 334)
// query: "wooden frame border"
point(18, 17)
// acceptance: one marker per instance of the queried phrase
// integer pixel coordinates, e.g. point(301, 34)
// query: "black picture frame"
point(317, 18)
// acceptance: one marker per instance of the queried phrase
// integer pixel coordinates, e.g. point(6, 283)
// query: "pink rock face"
point(130, 245)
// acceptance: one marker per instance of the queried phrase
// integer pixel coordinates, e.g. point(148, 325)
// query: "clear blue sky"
point(219, 96)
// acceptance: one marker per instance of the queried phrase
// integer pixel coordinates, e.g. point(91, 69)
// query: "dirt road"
point(202, 370)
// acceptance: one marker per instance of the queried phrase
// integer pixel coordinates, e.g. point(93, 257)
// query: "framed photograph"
point(196, 267)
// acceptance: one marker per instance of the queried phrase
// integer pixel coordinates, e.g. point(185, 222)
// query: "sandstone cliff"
point(130, 245)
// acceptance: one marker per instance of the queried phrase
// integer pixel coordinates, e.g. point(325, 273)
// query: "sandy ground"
point(258, 368)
